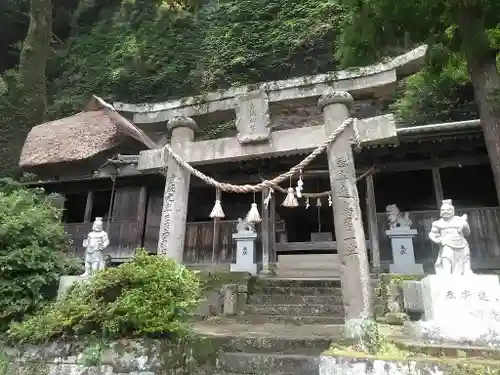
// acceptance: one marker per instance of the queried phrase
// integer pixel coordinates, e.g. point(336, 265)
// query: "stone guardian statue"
point(449, 233)
point(95, 244)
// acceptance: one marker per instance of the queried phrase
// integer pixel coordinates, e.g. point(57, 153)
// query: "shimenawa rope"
point(270, 184)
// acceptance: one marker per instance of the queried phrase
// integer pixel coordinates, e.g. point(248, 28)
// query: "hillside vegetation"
point(152, 50)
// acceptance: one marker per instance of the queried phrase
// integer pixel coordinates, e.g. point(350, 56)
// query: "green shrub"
point(151, 296)
point(33, 251)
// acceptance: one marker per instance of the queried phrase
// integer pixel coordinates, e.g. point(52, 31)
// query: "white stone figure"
point(449, 233)
point(396, 219)
point(95, 244)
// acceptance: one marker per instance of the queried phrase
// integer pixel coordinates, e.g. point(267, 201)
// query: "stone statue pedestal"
point(446, 295)
point(459, 308)
point(245, 252)
point(402, 252)
point(66, 282)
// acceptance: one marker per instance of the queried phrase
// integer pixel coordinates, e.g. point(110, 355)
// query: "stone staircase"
point(285, 327)
point(302, 301)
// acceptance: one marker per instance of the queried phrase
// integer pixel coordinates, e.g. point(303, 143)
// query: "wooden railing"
point(484, 240)
point(123, 238)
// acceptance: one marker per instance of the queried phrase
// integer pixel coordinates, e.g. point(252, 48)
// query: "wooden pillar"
point(371, 209)
point(272, 230)
point(87, 217)
point(266, 245)
point(438, 186)
point(175, 198)
point(141, 215)
point(349, 232)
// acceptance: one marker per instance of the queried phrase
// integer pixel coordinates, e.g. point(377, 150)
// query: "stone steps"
point(286, 299)
point(271, 363)
point(284, 328)
point(287, 319)
point(296, 310)
point(284, 345)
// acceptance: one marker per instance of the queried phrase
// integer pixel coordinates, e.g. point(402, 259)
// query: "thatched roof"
point(73, 138)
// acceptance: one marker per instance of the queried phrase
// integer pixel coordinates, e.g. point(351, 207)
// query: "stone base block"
point(460, 309)
point(445, 296)
point(412, 296)
point(250, 268)
point(66, 282)
point(407, 268)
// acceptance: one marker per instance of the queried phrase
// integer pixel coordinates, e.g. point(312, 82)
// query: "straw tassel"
point(318, 202)
point(307, 203)
point(217, 211)
point(253, 215)
point(290, 200)
point(330, 200)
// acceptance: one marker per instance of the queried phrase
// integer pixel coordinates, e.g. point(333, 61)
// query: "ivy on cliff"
point(142, 51)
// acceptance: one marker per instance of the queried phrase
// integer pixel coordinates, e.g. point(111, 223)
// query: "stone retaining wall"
point(126, 357)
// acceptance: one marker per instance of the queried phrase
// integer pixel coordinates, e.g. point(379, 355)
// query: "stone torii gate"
point(255, 140)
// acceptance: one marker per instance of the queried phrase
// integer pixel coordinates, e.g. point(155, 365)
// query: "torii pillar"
point(350, 236)
point(175, 199)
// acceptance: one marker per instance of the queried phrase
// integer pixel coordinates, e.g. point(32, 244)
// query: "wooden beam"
point(87, 217)
point(438, 186)
point(372, 222)
point(266, 245)
point(141, 215)
point(272, 230)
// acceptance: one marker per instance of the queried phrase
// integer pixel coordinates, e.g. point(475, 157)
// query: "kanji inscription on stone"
point(450, 294)
point(466, 294)
point(403, 250)
point(483, 296)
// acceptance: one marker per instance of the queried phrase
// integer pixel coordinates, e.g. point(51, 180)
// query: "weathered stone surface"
point(366, 366)
point(283, 142)
point(269, 363)
point(142, 357)
point(370, 79)
point(252, 117)
point(175, 198)
point(298, 320)
point(412, 296)
point(349, 233)
point(262, 299)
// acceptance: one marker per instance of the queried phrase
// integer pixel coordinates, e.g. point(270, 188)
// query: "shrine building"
point(103, 171)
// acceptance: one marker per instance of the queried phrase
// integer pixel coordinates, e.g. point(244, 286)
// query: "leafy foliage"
point(432, 96)
point(458, 33)
point(151, 296)
point(32, 252)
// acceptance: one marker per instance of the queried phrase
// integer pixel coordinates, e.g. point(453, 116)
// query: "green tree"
point(466, 28)
point(33, 252)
